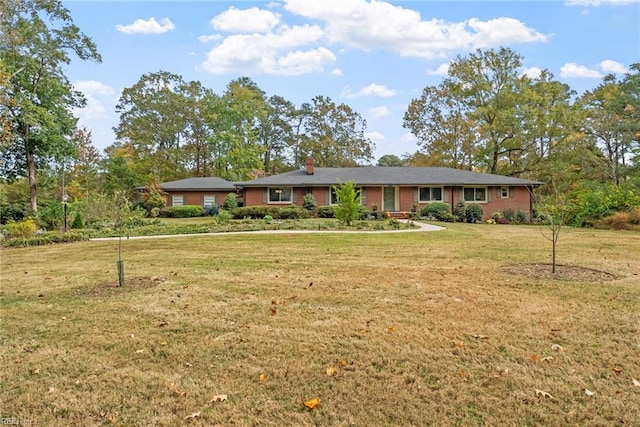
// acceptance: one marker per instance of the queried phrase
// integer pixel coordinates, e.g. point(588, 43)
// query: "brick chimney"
point(309, 165)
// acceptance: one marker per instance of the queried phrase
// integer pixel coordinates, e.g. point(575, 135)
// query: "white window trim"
point(204, 199)
point(486, 194)
point(279, 202)
point(174, 199)
point(331, 192)
point(431, 201)
point(502, 190)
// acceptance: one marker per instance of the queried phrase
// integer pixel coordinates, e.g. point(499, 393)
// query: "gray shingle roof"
point(376, 175)
point(199, 184)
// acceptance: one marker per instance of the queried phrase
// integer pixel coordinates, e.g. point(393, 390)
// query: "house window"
point(504, 192)
point(430, 194)
point(209, 200)
point(280, 195)
point(475, 194)
point(177, 200)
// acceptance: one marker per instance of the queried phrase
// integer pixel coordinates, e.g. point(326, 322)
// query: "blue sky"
point(375, 56)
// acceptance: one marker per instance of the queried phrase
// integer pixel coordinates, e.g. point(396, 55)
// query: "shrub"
point(459, 212)
point(186, 211)
point(394, 223)
point(223, 216)
point(50, 216)
point(268, 219)
point(154, 198)
point(347, 210)
point(23, 229)
point(634, 216)
point(436, 210)
point(326, 211)
point(255, 212)
point(615, 221)
point(309, 202)
point(46, 238)
point(473, 213)
point(230, 202)
point(77, 223)
point(292, 212)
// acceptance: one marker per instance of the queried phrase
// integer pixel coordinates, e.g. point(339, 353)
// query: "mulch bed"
point(563, 272)
point(138, 282)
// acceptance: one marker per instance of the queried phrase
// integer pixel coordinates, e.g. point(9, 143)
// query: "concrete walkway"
point(421, 227)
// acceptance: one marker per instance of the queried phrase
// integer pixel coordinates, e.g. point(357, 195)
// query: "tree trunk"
point(31, 169)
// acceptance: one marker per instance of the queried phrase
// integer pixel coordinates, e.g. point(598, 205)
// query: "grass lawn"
point(384, 329)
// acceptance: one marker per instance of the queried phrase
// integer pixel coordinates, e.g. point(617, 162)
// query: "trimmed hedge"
point(326, 211)
point(46, 238)
point(186, 211)
point(259, 212)
point(438, 211)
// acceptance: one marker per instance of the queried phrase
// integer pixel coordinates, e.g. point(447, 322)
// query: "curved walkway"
point(421, 227)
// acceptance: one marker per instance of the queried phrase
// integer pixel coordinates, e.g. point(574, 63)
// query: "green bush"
point(230, 202)
point(77, 223)
point(50, 216)
point(459, 212)
point(23, 229)
point(46, 238)
point(438, 211)
point(473, 213)
point(292, 212)
point(348, 207)
point(268, 219)
point(223, 217)
point(255, 212)
point(186, 211)
point(309, 202)
point(326, 211)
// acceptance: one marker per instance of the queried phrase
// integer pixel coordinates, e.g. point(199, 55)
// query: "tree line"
point(485, 115)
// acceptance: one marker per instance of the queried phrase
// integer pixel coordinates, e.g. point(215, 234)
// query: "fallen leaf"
point(543, 394)
point(331, 371)
point(481, 337)
point(52, 389)
point(272, 311)
point(218, 398)
point(274, 302)
point(588, 392)
point(547, 359)
point(161, 324)
point(263, 377)
point(636, 382)
point(163, 343)
point(393, 328)
point(28, 349)
point(556, 347)
point(342, 363)
point(139, 351)
point(312, 403)
point(535, 358)
point(617, 370)
point(36, 371)
point(192, 416)
point(188, 365)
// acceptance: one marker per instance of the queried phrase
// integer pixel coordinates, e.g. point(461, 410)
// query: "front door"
point(389, 197)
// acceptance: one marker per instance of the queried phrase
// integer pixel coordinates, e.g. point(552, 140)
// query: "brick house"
point(197, 191)
point(394, 189)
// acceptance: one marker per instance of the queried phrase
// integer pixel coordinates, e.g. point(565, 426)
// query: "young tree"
point(348, 198)
point(38, 37)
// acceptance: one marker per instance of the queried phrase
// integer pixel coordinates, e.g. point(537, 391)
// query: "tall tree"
point(334, 135)
point(152, 121)
point(277, 135)
point(37, 39)
point(84, 179)
point(391, 160)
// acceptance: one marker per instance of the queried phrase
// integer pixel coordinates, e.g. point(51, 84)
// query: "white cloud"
point(596, 3)
point(375, 136)
point(96, 94)
point(610, 66)
point(380, 112)
point(579, 71)
point(442, 70)
point(372, 90)
point(382, 25)
point(150, 26)
point(209, 38)
point(253, 20)
point(336, 72)
point(532, 72)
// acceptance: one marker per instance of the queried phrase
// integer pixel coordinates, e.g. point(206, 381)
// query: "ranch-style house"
point(388, 189)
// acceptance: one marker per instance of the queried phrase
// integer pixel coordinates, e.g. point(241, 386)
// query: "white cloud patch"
point(209, 38)
point(442, 70)
point(375, 136)
point(596, 3)
point(532, 72)
point(253, 20)
point(373, 89)
point(150, 26)
point(610, 66)
point(380, 25)
point(96, 94)
point(380, 112)
point(579, 71)
point(336, 72)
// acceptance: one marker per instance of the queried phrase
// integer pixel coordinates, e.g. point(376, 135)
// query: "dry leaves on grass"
point(218, 398)
point(544, 394)
point(636, 382)
point(312, 403)
point(192, 416)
